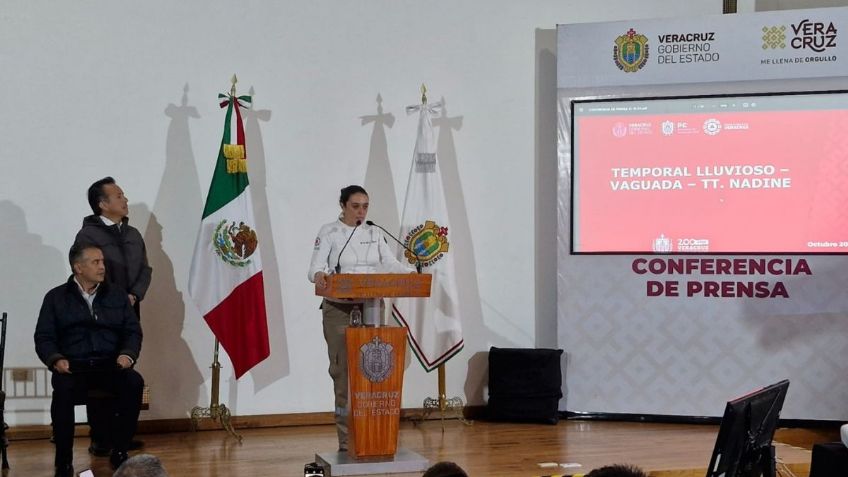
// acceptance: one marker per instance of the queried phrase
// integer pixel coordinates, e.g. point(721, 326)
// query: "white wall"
point(128, 89)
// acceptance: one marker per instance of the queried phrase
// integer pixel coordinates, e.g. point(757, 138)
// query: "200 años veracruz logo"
point(630, 51)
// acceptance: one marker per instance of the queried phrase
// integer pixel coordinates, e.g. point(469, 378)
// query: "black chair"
point(4, 440)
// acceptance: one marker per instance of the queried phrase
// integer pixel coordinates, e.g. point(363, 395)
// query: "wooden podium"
point(375, 357)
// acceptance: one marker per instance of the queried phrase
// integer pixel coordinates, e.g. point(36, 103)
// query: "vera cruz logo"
point(429, 241)
point(774, 37)
point(816, 36)
point(630, 51)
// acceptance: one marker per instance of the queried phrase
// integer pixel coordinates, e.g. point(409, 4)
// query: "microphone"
point(417, 259)
point(339, 260)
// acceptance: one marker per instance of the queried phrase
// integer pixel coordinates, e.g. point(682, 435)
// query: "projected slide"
point(753, 174)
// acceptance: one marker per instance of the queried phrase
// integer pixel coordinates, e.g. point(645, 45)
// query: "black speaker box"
point(829, 460)
point(525, 385)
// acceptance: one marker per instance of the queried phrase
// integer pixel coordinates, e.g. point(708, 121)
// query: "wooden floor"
point(483, 449)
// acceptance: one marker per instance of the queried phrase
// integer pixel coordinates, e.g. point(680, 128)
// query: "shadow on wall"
point(477, 383)
point(171, 232)
point(30, 269)
point(545, 190)
point(379, 181)
point(278, 364)
point(166, 363)
point(470, 309)
point(545, 199)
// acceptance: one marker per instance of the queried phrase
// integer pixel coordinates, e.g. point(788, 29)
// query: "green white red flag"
point(226, 271)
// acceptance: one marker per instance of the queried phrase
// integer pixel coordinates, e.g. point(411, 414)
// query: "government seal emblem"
point(429, 241)
point(376, 360)
point(234, 243)
point(630, 51)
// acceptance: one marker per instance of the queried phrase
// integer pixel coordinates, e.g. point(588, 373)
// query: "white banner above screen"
point(761, 46)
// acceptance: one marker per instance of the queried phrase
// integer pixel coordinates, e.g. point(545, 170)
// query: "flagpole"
point(442, 403)
point(215, 411)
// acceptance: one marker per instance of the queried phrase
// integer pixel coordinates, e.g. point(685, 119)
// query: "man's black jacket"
point(67, 329)
point(124, 251)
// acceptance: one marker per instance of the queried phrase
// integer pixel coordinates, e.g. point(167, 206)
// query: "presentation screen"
point(711, 174)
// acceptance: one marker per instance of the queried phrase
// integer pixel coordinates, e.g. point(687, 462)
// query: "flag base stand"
point(215, 411)
point(443, 403)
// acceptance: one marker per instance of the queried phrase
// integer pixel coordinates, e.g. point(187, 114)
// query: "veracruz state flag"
point(226, 271)
point(435, 330)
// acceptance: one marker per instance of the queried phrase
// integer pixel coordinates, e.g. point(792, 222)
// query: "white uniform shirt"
point(367, 251)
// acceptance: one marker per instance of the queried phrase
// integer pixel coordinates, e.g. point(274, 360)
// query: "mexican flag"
point(435, 330)
point(226, 271)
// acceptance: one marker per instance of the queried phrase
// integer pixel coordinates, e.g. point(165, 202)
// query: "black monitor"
point(743, 447)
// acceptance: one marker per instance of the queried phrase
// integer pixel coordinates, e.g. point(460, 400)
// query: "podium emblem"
point(375, 360)
point(234, 243)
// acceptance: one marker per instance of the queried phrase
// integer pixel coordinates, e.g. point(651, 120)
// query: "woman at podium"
point(347, 245)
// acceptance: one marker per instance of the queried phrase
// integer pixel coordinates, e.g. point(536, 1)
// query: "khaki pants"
point(336, 319)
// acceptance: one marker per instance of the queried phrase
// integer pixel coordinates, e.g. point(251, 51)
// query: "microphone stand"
point(418, 265)
point(339, 260)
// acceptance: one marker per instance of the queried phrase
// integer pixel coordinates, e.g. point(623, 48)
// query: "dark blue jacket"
point(66, 329)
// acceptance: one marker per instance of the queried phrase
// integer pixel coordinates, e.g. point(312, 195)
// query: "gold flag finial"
point(234, 80)
point(423, 93)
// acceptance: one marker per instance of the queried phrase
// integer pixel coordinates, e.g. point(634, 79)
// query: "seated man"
point(89, 337)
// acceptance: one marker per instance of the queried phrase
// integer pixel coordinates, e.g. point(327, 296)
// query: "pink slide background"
point(811, 146)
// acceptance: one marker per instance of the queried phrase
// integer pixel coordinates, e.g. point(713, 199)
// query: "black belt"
point(93, 364)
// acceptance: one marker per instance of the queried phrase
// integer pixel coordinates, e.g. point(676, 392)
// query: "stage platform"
point(483, 449)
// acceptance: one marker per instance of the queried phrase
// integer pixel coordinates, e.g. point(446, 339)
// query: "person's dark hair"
point(76, 252)
point(349, 191)
point(96, 193)
point(617, 470)
point(445, 469)
point(142, 465)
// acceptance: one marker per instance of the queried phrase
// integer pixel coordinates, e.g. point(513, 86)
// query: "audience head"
point(617, 470)
point(445, 469)
point(142, 465)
